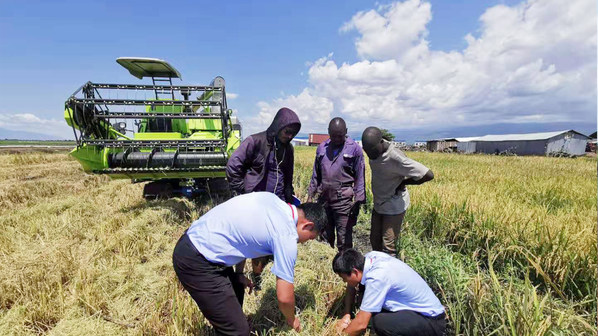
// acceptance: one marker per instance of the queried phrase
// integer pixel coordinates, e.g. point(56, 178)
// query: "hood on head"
point(283, 118)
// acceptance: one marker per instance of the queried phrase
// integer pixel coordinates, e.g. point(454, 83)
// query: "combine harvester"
point(177, 137)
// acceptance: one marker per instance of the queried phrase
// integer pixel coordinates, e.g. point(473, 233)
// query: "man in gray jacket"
point(392, 172)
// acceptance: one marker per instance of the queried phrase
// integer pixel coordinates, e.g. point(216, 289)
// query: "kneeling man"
point(397, 299)
point(247, 226)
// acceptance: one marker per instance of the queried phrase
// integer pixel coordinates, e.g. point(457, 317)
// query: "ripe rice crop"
point(507, 243)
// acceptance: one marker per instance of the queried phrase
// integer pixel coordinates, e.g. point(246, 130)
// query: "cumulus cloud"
point(532, 62)
point(313, 111)
point(230, 95)
point(27, 122)
point(395, 31)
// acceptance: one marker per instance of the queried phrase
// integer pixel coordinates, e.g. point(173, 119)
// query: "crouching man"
point(396, 298)
point(247, 226)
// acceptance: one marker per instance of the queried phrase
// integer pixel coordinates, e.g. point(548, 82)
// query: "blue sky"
point(277, 53)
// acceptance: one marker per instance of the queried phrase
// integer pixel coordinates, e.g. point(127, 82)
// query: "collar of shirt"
point(384, 154)
point(366, 268)
point(336, 150)
point(294, 213)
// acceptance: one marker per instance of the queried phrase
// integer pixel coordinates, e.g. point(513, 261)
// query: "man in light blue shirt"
point(247, 226)
point(396, 297)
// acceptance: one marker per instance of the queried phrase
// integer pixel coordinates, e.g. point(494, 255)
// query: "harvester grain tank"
point(178, 137)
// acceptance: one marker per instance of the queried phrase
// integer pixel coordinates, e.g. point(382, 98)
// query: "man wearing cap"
point(338, 177)
point(396, 298)
point(246, 226)
point(392, 172)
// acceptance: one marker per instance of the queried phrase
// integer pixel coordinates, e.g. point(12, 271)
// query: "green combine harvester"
point(177, 137)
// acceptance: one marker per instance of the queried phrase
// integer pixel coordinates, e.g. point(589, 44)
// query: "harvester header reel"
point(157, 131)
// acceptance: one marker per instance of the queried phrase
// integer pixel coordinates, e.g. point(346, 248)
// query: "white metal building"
point(299, 142)
point(568, 142)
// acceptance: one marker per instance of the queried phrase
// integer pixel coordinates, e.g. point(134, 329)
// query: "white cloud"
point(27, 122)
point(230, 95)
point(313, 111)
point(533, 62)
point(395, 31)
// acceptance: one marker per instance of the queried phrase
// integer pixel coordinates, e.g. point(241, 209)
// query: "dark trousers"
point(215, 288)
point(408, 322)
point(340, 221)
point(386, 232)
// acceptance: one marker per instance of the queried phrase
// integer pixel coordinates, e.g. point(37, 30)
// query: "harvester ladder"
point(162, 94)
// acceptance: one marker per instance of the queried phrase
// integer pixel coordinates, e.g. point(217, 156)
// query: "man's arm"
point(237, 165)
point(285, 293)
point(359, 324)
point(241, 278)
point(240, 267)
point(315, 180)
point(359, 185)
point(289, 191)
point(349, 301)
point(428, 176)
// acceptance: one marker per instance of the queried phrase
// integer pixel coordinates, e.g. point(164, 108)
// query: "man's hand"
point(343, 323)
point(400, 188)
point(257, 280)
point(309, 199)
point(243, 280)
point(294, 323)
point(354, 212)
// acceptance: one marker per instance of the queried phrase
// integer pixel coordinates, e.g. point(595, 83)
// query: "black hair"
point(346, 260)
point(315, 213)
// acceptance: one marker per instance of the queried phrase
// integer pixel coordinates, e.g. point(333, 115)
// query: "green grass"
point(507, 243)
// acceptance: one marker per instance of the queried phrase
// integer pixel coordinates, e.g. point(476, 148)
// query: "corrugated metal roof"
point(315, 138)
point(443, 139)
point(467, 139)
point(521, 137)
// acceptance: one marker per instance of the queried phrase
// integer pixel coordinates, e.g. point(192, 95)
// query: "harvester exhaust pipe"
point(156, 159)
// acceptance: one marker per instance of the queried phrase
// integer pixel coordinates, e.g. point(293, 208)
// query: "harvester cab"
point(178, 137)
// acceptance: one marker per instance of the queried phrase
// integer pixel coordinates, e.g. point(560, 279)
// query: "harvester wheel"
point(158, 190)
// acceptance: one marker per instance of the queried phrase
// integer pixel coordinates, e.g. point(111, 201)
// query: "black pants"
point(408, 322)
point(215, 288)
point(341, 221)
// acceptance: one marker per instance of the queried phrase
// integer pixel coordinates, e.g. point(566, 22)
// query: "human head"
point(373, 144)
point(348, 264)
point(337, 130)
point(312, 220)
point(284, 127)
point(286, 134)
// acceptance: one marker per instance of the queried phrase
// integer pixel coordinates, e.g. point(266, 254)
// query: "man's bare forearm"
point(285, 293)
point(410, 181)
point(349, 299)
point(359, 324)
point(240, 267)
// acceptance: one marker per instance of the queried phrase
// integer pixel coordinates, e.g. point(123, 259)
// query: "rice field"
point(507, 243)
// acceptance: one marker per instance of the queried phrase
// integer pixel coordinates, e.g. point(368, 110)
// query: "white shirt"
point(388, 172)
point(249, 226)
point(392, 285)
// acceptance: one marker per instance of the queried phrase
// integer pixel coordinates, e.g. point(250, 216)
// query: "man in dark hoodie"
point(264, 162)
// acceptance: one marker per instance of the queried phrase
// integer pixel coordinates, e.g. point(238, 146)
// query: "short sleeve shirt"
point(249, 226)
point(392, 285)
point(388, 171)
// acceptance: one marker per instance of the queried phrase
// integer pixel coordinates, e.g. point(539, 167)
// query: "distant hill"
point(21, 135)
